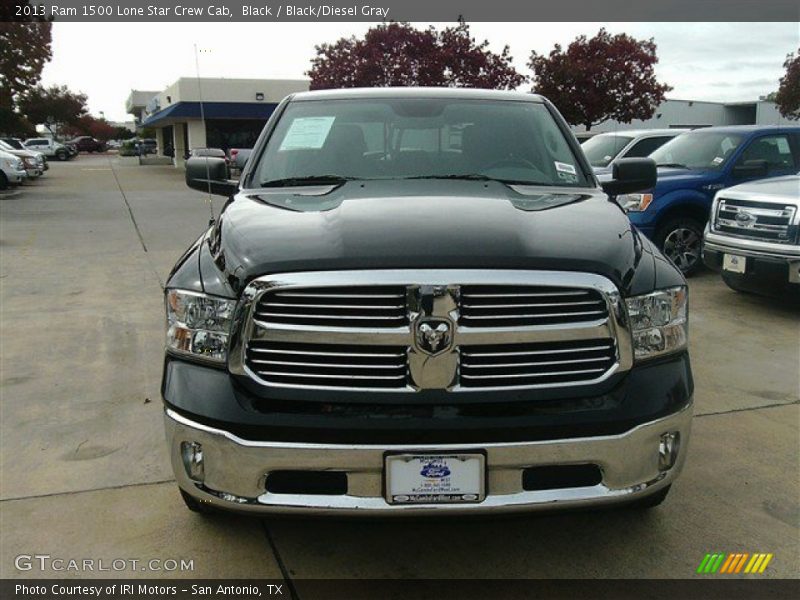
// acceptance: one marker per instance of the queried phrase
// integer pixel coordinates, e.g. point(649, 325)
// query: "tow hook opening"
point(192, 455)
point(668, 448)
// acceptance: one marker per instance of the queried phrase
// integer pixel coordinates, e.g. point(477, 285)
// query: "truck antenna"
point(203, 122)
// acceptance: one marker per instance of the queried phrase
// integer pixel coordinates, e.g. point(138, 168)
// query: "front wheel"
point(61, 155)
point(681, 240)
point(3, 181)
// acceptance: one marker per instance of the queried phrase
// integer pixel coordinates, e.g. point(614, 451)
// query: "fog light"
point(192, 454)
point(668, 448)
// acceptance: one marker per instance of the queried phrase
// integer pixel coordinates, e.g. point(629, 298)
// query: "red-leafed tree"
point(605, 77)
point(788, 96)
point(89, 125)
point(397, 54)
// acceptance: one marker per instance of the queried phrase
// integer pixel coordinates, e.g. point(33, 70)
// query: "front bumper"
point(16, 177)
point(235, 470)
point(768, 266)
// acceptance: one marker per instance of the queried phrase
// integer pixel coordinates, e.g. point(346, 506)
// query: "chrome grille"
point(366, 306)
point(329, 365)
point(407, 331)
point(519, 306)
point(527, 365)
point(767, 221)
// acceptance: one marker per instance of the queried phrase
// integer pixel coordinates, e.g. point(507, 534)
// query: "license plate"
point(435, 478)
point(734, 263)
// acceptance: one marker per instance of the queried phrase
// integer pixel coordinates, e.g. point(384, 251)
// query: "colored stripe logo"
point(733, 563)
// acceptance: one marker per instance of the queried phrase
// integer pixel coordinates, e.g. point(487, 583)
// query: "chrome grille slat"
point(327, 365)
point(537, 315)
point(537, 352)
point(504, 366)
point(543, 363)
point(363, 330)
point(378, 306)
point(767, 221)
point(529, 305)
point(319, 353)
point(531, 375)
point(287, 363)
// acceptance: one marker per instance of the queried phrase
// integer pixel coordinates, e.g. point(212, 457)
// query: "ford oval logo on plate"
point(435, 470)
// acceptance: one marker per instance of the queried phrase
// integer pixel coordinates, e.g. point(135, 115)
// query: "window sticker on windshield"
point(717, 160)
point(307, 133)
point(565, 168)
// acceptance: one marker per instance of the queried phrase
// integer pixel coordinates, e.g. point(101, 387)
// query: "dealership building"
point(692, 114)
point(205, 112)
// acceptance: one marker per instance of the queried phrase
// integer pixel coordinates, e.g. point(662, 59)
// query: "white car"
point(49, 148)
point(32, 161)
point(603, 149)
point(12, 170)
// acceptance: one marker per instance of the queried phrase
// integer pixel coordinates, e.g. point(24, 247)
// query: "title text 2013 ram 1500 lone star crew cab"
point(421, 301)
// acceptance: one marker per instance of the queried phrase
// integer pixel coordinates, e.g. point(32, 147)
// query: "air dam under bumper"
point(235, 470)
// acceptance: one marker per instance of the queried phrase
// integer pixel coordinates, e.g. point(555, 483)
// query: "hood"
point(423, 224)
point(22, 153)
point(671, 178)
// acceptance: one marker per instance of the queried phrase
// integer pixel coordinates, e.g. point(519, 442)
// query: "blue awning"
point(213, 110)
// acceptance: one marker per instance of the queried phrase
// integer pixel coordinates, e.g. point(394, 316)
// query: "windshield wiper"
point(672, 165)
point(479, 177)
point(309, 180)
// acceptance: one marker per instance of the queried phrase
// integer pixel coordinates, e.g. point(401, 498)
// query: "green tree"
point(24, 50)
point(54, 106)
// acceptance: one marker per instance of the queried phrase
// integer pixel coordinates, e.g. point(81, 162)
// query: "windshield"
point(6, 147)
point(14, 143)
point(511, 141)
point(602, 149)
point(700, 150)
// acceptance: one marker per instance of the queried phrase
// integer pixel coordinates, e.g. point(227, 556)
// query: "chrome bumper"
point(235, 470)
point(753, 248)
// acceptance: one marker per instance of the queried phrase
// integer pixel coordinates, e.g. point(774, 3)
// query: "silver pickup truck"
point(753, 236)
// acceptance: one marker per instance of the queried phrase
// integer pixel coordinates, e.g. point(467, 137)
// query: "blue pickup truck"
point(692, 168)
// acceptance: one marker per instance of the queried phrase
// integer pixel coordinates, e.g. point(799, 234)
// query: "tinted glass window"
point(417, 138)
point(646, 146)
point(774, 149)
point(603, 148)
point(701, 150)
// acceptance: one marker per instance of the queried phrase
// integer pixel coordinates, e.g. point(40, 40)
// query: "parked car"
point(86, 143)
point(12, 170)
point(692, 168)
point(32, 161)
point(50, 148)
point(603, 149)
point(239, 157)
point(753, 236)
point(146, 146)
point(453, 318)
point(17, 144)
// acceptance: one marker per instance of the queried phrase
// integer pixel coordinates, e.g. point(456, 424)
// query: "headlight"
point(30, 162)
point(659, 322)
point(634, 202)
point(198, 325)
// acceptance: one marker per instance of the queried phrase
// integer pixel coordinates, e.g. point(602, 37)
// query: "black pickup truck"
point(421, 301)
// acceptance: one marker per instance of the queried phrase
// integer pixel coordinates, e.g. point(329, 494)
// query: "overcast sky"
point(702, 61)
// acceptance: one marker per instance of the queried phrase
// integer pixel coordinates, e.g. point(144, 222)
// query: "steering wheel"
point(512, 161)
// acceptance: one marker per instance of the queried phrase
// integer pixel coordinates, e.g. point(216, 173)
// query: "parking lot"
point(85, 252)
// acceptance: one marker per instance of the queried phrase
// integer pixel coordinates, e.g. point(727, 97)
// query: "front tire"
point(681, 240)
point(61, 155)
point(3, 181)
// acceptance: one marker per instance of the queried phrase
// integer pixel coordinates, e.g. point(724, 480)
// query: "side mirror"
point(208, 174)
point(630, 175)
point(751, 169)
